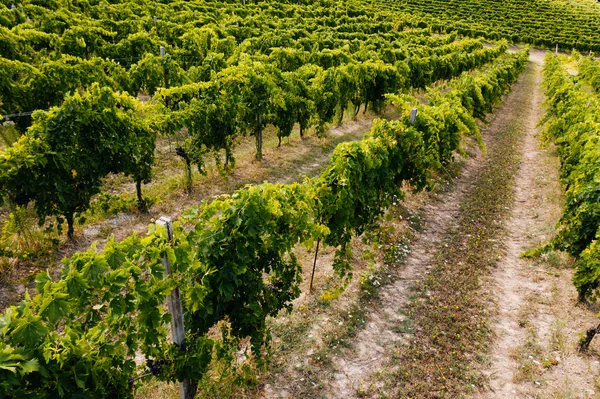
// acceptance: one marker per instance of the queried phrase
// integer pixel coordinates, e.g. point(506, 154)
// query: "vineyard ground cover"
point(289, 163)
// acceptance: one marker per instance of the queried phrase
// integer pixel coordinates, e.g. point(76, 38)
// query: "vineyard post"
point(556, 52)
point(312, 276)
point(259, 138)
point(161, 51)
point(175, 308)
point(413, 116)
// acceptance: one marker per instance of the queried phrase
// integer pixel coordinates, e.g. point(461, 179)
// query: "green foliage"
point(14, 365)
point(153, 72)
point(58, 164)
point(230, 70)
point(256, 94)
point(428, 69)
point(589, 70)
point(83, 331)
point(15, 85)
point(587, 272)
point(542, 24)
point(572, 123)
point(235, 266)
point(244, 267)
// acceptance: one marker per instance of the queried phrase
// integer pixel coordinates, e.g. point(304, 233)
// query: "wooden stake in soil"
point(413, 116)
point(186, 390)
point(312, 276)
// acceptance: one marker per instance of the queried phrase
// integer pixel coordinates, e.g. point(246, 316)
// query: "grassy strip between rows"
point(449, 312)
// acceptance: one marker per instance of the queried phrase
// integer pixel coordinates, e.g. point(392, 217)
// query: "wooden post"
point(259, 139)
point(556, 52)
point(161, 50)
point(155, 20)
point(312, 276)
point(413, 116)
point(175, 308)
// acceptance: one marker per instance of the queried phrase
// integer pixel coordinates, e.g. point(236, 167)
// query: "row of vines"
point(571, 25)
point(233, 259)
point(572, 123)
point(245, 86)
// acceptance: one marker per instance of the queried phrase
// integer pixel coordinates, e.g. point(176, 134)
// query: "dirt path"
point(505, 279)
point(538, 320)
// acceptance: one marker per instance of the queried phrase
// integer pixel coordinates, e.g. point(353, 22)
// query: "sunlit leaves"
point(58, 165)
point(571, 121)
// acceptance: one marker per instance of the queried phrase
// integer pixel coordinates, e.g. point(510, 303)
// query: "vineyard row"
point(236, 266)
point(572, 123)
